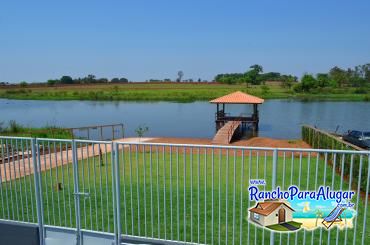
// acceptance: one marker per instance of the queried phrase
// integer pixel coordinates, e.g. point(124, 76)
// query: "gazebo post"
point(255, 116)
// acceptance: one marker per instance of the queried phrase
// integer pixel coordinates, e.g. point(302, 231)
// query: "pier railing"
point(169, 193)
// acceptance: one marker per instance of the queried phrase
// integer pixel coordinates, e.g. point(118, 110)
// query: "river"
point(278, 118)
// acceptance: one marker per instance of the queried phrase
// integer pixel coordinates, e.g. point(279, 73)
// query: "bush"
point(14, 127)
point(360, 90)
point(265, 89)
point(23, 84)
point(321, 140)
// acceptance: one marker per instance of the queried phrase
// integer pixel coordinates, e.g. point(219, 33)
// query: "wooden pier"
point(225, 134)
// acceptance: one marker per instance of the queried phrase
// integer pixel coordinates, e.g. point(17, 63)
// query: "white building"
point(271, 212)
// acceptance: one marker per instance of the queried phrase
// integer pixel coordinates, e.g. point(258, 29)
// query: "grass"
point(179, 92)
point(154, 176)
point(16, 129)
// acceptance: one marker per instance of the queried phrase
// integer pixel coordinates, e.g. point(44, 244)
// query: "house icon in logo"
point(271, 212)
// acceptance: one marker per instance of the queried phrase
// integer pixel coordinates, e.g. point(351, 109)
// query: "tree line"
point(85, 80)
point(255, 76)
point(359, 77)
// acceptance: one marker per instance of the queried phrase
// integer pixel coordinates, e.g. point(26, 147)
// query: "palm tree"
point(319, 214)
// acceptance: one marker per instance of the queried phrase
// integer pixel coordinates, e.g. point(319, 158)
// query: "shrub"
point(321, 140)
point(14, 127)
point(360, 90)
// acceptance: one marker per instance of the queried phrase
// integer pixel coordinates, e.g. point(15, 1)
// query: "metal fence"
point(169, 193)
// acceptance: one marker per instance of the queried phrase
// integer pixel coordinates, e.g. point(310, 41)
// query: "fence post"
point(76, 191)
point(273, 185)
point(116, 191)
point(37, 181)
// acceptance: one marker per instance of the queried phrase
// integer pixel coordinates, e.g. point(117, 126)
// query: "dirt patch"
point(253, 142)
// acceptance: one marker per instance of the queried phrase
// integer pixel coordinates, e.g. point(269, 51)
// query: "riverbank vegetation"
point(352, 84)
point(179, 92)
point(15, 129)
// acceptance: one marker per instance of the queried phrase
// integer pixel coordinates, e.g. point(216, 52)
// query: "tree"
point(253, 74)
point(52, 82)
point(23, 84)
point(307, 83)
point(66, 80)
point(123, 80)
point(288, 81)
point(180, 74)
point(323, 80)
point(114, 80)
point(141, 130)
point(318, 214)
point(338, 76)
point(199, 80)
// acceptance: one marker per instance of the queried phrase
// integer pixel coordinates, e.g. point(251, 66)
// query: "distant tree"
point(257, 68)
point(23, 84)
point(338, 76)
point(167, 80)
point(251, 76)
point(308, 82)
point(114, 80)
point(199, 80)
point(52, 82)
point(102, 80)
point(323, 80)
point(288, 81)
point(180, 74)
point(123, 80)
point(66, 80)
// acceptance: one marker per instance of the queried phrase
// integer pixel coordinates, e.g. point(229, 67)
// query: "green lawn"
point(148, 183)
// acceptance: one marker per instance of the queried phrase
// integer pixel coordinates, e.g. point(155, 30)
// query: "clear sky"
point(141, 39)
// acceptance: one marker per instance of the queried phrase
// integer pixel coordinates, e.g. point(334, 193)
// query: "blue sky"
point(154, 39)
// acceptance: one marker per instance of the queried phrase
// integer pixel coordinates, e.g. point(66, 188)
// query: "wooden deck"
point(225, 134)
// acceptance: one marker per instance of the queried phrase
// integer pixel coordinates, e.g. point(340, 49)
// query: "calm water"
point(278, 118)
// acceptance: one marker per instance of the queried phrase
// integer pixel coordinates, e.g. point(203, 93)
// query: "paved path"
point(289, 226)
point(23, 167)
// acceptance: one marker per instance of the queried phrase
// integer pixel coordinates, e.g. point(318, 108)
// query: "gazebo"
point(221, 117)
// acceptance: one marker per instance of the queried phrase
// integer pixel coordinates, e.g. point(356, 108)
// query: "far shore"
point(174, 92)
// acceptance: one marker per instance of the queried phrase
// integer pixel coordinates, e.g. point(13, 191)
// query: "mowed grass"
point(177, 195)
point(179, 92)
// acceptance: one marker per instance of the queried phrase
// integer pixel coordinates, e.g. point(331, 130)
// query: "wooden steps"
point(224, 134)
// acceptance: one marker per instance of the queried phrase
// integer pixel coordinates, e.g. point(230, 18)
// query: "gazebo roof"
point(238, 98)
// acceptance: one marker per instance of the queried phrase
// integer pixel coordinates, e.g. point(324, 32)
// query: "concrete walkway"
point(23, 167)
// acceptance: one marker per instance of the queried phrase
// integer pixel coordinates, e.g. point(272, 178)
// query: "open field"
point(181, 92)
point(175, 194)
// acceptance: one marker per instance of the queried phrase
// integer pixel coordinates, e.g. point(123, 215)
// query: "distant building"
point(271, 212)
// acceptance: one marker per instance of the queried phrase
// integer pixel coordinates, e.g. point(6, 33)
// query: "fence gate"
point(77, 191)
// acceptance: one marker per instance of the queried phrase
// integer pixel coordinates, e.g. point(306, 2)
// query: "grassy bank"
point(14, 129)
point(181, 92)
point(148, 184)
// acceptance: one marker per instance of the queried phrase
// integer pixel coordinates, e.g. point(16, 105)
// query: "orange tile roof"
point(266, 208)
point(238, 98)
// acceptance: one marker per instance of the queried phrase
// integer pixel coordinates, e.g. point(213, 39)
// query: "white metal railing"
point(169, 193)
